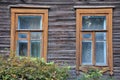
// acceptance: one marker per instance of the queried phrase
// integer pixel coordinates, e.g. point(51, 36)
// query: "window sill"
point(86, 68)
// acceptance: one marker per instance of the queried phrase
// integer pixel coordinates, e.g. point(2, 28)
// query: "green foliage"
point(94, 74)
point(30, 69)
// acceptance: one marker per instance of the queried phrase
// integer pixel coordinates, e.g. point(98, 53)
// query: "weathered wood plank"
point(62, 22)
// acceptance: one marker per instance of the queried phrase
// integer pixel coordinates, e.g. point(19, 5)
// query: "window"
point(94, 39)
point(29, 29)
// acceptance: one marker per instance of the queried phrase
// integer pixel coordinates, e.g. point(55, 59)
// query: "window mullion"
point(80, 48)
point(107, 42)
point(28, 52)
point(16, 41)
point(93, 48)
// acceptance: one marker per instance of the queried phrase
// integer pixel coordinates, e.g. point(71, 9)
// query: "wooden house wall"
point(62, 29)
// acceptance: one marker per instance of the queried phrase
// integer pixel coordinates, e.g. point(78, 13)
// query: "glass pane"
point(22, 35)
point(36, 35)
point(86, 35)
point(29, 22)
point(22, 48)
point(87, 52)
point(36, 42)
point(101, 53)
point(100, 36)
point(35, 49)
point(93, 22)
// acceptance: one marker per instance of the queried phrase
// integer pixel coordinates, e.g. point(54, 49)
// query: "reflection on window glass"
point(93, 22)
point(36, 39)
point(29, 22)
point(36, 35)
point(87, 52)
point(100, 36)
point(22, 35)
point(35, 48)
point(101, 48)
point(86, 35)
point(22, 48)
point(101, 53)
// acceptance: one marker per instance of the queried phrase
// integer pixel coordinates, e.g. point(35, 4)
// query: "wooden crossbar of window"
point(93, 30)
point(28, 30)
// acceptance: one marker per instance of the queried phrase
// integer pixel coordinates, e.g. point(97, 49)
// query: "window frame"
point(96, 12)
point(14, 31)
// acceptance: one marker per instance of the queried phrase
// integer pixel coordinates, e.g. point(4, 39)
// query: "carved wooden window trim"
point(15, 12)
point(100, 11)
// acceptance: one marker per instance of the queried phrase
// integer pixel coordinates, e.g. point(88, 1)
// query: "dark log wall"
point(62, 29)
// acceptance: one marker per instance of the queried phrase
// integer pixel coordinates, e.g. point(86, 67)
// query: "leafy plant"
point(94, 74)
point(15, 68)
